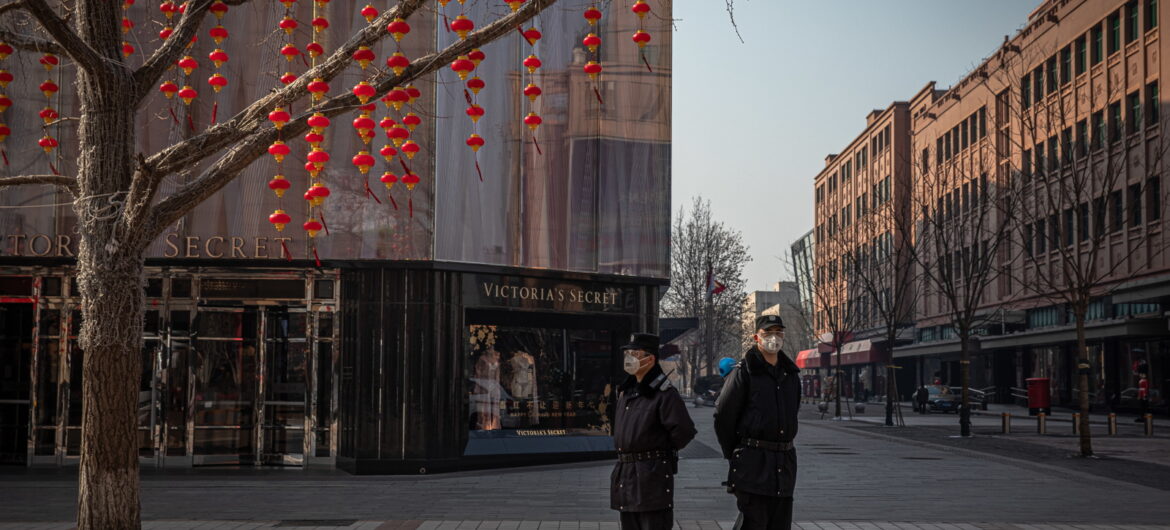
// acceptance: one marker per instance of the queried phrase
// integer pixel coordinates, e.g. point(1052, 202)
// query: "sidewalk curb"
point(1036, 466)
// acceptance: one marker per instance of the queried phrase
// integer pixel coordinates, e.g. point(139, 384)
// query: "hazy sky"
point(753, 121)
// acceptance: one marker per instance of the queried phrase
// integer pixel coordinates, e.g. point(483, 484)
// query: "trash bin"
point(1039, 396)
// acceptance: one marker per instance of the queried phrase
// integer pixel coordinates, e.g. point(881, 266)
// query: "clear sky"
point(753, 121)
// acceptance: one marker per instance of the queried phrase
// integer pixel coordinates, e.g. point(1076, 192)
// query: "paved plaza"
point(857, 474)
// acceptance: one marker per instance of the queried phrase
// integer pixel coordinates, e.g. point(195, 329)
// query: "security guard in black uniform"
point(650, 427)
point(755, 421)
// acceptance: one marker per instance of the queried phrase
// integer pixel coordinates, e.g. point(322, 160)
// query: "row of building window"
point(879, 194)
point(1058, 315)
point(1109, 215)
point(878, 144)
point(960, 137)
point(1059, 69)
point(962, 198)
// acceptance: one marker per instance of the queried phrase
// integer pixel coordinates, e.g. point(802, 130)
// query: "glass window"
point(1041, 237)
point(1082, 137)
point(1134, 101)
point(1117, 209)
point(1028, 239)
point(180, 288)
point(1131, 21)
point(1115, 121)
point(51, 286)
point(1151, 14)
point(323, 289)
point(1098, 129)
point(1052, 74)
point(1080, 59)
point(1097, 38)
point(1038, 84)
point(1066, 65)
point(526, 382)
point(1115, 32)
point(1026, 164)
point(1025, 91)
point(154, 287)
point(1154, 198)
point(1152, 103)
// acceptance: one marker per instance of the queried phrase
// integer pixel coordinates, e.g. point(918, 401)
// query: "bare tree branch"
point(69, 40)
point(17, 4)
point(165, 56)
point(731, 16)
point(69, 183)
point(29, 44)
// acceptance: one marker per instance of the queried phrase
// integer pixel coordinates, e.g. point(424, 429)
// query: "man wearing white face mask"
point(650, 427)
point(755, 422)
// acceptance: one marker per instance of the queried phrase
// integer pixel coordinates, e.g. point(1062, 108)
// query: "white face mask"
point(632, 364)
point(772, 344)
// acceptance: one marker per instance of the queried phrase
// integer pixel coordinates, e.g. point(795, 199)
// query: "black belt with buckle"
point(768, 446)
point(648, 455)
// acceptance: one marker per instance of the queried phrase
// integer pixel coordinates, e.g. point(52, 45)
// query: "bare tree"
point(700, 243)
point(837, 296)
point(116, 190)
point(1089, 182)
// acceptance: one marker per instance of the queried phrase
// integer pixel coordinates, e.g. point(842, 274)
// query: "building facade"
point(465, 323)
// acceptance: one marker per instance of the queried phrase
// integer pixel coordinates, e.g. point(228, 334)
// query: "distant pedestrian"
point(921, 399)
point(650, 427)
point(1143, 395)
point(756, 422)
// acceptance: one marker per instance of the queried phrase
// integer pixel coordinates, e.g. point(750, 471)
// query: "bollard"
point(1149, 424)
point(1007, 423)
point(1112, 424)
point(1042, 423)
point(1076, 423)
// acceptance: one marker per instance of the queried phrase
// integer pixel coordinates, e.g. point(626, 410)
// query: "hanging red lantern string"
point(641, 37)
point(364, 90)
point(5, 102)
point(531, 63)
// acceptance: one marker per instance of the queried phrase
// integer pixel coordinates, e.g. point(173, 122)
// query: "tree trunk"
point(837, 383)
point(1083, 368)
point(965, 381)
point(110, 276)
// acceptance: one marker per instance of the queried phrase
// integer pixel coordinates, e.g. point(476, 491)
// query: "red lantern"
point(217, 82)
point(410, 179)
point(218, 57)
point(279, 219)
point(314, 139)
point(475, 112)
point(369, 13)
point(127, 25)
point(462, 66)
point(475, 84)
point(318, 157)
point(48, 115)
point(364, 55)
point(48, 143)
point(187, 94)
point(411, 120)
point(592, 68)
point(397, 134)
point(125, 5)
point(389, 179)
point(313, 171)
point(218, 34)
point(168, 89)
point(289, 52)
point(288, 3)
point(317, 193)
point(279, 117)
point(5, 103)
point(5, 50)
point(219, 9)
point(462, 26)
point(476, 55)
point(410, 149)
point(4, 132)
point(475, 141)
point(388, 151)
point(397, 63)
point(640, 8)
point(127, 49)
point(318, 88)
point(320, 24)
point(364, 91)
point(397, 97)
point(387, 123)
point(592, 15)
point(315, 49)
point(397, 28)
point(364, 124)
point(532, 121)
point(322, 3)
point(532, 91)
point(188, 64)
point(168, 9)
point(288, 78)
point(279, 185)
point(288, 24)
point(363, 161)
point(641, 38)
point(166, 32)
point(5, 78)
point(279, 150)
point(312, 227)
point(514, 4)
point(318, 122)
point(412, 93)
point(532, 35)
point(592, 41)
point(532, 63)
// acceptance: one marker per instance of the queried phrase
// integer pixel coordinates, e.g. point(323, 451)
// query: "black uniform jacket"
point(761, 402)
point(651, 416)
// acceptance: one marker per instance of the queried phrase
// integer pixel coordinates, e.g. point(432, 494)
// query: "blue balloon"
point(726, 365)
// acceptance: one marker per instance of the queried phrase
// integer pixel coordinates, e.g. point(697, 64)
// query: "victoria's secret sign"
point(174, 246)
point(533, 293)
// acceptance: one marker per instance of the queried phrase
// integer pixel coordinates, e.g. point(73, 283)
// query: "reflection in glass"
point(225, 385)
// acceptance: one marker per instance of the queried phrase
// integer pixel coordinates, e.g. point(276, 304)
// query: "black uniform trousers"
point(761, 512)
point(656, 520)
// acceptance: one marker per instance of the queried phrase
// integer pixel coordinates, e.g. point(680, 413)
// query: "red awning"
point(808, 359)
point(859, 352)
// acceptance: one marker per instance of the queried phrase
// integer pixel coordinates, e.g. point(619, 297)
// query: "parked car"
point(942, 399)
